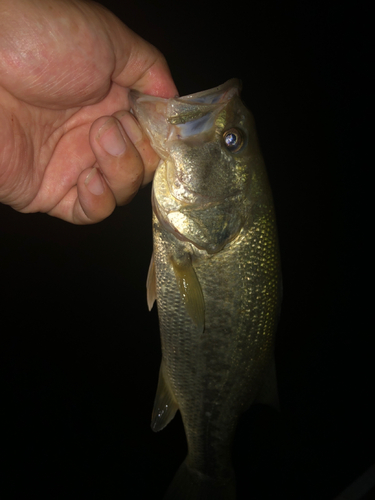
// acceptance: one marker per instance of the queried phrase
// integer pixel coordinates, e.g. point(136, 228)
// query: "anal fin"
point(165, 406)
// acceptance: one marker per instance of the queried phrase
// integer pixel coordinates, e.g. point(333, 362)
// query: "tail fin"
point(190, 484)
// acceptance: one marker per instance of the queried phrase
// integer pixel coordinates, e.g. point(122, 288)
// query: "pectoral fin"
point(190, 290)
point(165, 405)
point(151, 284)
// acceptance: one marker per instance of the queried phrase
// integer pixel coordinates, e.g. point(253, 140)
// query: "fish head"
point(208, 146)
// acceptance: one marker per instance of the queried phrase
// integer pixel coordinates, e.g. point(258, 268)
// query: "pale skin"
point(69, 146)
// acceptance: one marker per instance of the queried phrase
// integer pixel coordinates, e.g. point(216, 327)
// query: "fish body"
point(215, 275)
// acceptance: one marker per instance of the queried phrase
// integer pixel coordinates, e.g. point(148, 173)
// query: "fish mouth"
point(187, 118)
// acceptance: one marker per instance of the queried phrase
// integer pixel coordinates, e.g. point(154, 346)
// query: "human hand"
point(68, 144)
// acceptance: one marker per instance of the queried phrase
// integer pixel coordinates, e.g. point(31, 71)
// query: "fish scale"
point(204, 382)
point(217, 282)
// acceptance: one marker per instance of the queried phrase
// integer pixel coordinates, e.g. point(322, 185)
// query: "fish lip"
point(233, 84)
point(197, 98)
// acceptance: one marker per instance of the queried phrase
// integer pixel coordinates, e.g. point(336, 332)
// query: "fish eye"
point(233, 140)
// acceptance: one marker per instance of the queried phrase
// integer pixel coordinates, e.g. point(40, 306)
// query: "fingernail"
point(94, 182)
point(131, 127)
point(110, 138)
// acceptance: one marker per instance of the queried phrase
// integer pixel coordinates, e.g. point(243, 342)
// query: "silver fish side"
point(215, 275)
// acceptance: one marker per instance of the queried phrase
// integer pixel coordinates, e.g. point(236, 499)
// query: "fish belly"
point(215, 375)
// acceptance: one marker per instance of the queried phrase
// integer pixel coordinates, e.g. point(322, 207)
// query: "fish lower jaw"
point(187, 197)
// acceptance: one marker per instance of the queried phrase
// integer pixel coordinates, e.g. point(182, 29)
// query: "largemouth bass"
point(215, 275)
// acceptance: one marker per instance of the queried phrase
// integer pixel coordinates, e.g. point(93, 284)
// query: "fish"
point(215, 275)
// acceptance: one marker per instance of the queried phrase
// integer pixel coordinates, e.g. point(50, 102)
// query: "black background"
point(80, 352)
